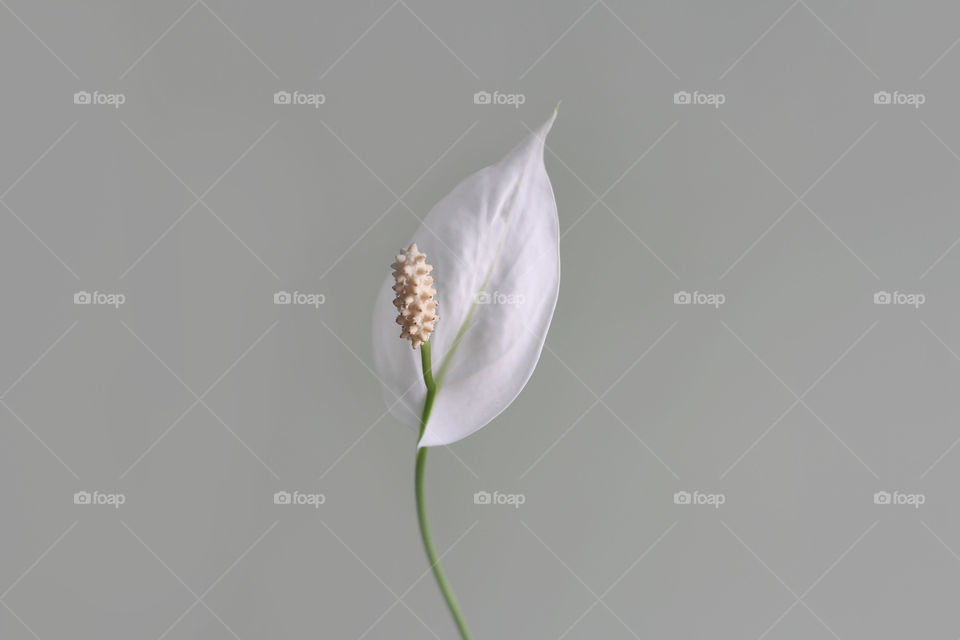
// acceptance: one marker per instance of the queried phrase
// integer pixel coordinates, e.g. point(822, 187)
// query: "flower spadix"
point(414, 296)
point(494, 246)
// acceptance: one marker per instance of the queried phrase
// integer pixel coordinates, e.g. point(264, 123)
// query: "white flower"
point(497, 231)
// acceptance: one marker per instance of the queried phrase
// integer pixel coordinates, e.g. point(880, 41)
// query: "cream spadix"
point(414, 296)
point(494, 246)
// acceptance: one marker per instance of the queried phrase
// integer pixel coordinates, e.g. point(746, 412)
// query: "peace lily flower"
point(486, 256)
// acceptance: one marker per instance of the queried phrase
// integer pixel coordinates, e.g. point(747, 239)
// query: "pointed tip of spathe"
point(544, 129)
point(553, 116)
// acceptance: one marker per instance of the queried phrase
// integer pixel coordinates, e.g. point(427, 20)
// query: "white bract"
point(494, 245)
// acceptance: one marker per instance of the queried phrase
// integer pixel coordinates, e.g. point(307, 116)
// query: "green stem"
point(421, 501)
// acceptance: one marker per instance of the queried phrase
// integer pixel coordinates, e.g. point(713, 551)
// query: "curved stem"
point(431, 385)
point(421, 500)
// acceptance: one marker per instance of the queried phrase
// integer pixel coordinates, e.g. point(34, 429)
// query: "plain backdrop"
point(797, 199)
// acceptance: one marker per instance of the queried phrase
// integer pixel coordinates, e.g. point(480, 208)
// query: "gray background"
point(198, 398)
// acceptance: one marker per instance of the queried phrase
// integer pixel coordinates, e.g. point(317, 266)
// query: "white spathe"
point(494, 243)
